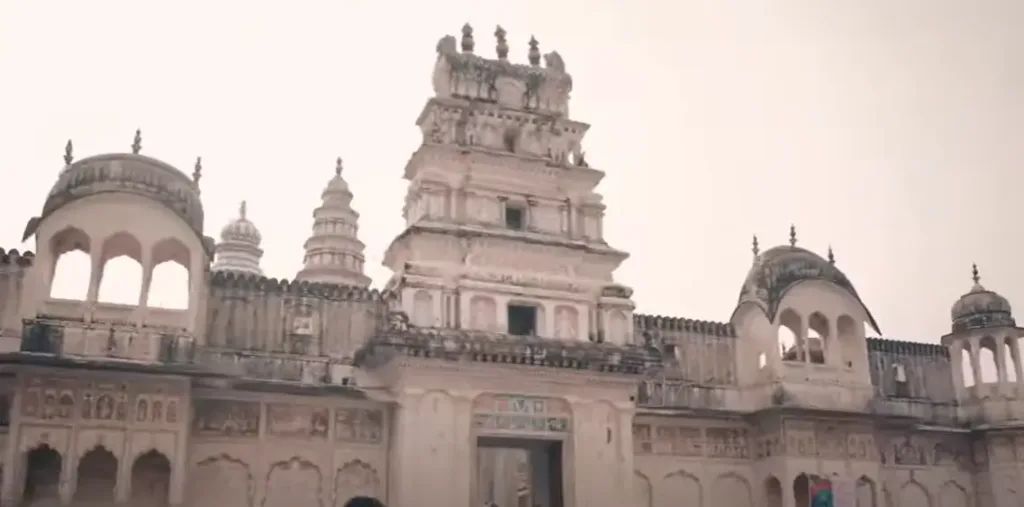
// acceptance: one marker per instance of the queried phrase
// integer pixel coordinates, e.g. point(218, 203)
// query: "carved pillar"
point(1001, 362)
point(122, 489)
point(1015, 350)
point(802, 342)
point(68, 468)
point(95, 275)
point(956, 354)
point(179, 462)
point(974, 352)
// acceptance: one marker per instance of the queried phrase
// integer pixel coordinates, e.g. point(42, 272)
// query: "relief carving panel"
point(225, 418)
point(730, 443)
point(297, 421)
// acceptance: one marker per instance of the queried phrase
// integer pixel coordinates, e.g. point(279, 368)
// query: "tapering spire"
point(502, 47)
point(467, 38)
point(334, 254)
point(792, 235)
point(831, 256)
point(241, 210)
point(69, 155)
point(757, 247)
point(337, 167)
point(534, 54)
point(197, 171)
point(137, 142)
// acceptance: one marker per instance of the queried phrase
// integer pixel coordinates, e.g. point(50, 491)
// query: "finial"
point(757, 248)
point(337, 167)
point(197, 172)
point(467, 39)
point(69, 153)
point(534, 54)
point(974, 274)
point(831, 256)
point(792, 235)
point(137, 142)
point(241, 210)
point(502, 47)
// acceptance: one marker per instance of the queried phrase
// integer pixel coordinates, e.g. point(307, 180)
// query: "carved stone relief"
point(731, 443)
point(226, 418)
point(355, 478)
point(294, 483)
point(359, 425)
point(297, 421)
point(53, 399)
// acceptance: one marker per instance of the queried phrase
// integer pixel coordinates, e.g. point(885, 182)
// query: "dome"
point(778, 269)
point(241, 230)
point(980, 309)
point(128, 173)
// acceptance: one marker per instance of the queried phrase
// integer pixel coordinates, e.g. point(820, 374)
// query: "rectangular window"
point(522, 320)
point(515, 217)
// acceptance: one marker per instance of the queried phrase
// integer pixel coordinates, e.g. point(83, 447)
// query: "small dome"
point(981, 308)
point(778, 269)
point(241, 230)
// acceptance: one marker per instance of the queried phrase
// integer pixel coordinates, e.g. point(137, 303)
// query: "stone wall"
point(697, 351)
point(13, 266)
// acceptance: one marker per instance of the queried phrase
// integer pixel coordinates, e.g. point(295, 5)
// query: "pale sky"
point(890, 130)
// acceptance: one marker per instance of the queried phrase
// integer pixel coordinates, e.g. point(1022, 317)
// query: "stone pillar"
point(179, 462)
point(975, 352)
point(13, 458)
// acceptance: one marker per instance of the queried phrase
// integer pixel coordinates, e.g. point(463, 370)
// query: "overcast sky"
point(890, 130)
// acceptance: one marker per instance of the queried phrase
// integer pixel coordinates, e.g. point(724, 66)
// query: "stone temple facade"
point(500, 365)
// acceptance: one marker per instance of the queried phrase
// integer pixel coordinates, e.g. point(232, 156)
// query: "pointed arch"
point(642, 491)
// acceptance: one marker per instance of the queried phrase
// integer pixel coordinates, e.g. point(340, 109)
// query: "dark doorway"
point(522, 320)
point(151, 480)
point(42, 475)
point(514, 472)
point(97, 478)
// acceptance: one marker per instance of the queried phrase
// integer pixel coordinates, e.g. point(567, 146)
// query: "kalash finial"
point(534, 54)
point(241, 210)
point(137, 142)
point(757, 247)
point(792, 235)
point(502, 47)
point(467, 39)
point(69, 156)
point(337, 167)
point(975, 276)
point(197, 171)
point(831, 256)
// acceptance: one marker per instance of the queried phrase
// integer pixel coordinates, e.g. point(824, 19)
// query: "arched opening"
point(363, 501)
point(762, 360)
point(817, 337)
point(69, 276)
point(97, 477)
point(802, 490)
point(967, 366)
point(789, 342)
point(42, 475)
point(151, 480)
point(900, 380)
point(120, 275)
point(987, 360)
point(864, 493)
point(170, 281)
point(772, 492)
point(848, 339)
point(1011, 360)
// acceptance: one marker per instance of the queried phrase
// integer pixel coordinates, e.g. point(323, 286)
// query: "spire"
point(238, 250)
point(792, 235)
point(197, 171)
point(976, 278)
point(502, 46)
point(467, 39)
point(137, 142)
point(534, 54)
point(757, 248)
point(69, 153)
point(334, 253)
point(831, 256)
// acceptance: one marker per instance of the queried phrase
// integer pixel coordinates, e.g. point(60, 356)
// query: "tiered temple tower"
point(503, 223)
point(334, 253)
point(239, 248)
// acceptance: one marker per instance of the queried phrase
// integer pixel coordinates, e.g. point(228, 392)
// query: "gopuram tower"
point(510, 345)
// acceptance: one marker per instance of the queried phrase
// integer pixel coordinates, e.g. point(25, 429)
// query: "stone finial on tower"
point(337, 167)
point(502, 46)
point(831, 255)
point(197, 171)
point(757, 248)
point(69, 155)
point(792, 235)
point(467, 38)
point(534, 54)
point(241, 210)
point(137, 142)
point(975, 276)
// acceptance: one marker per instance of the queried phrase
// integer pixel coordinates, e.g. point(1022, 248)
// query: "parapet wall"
point(13, 265)
point(697, 351)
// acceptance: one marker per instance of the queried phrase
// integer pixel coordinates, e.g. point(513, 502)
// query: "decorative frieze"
point(730, 442)
point(521, 414)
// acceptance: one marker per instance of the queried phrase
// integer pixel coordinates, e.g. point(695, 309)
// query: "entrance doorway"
point(42, 475)
point(518, 472)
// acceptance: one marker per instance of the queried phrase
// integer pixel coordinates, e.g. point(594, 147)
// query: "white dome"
point(241, 230)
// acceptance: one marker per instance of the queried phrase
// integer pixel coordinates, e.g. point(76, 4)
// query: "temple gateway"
point(501, 364)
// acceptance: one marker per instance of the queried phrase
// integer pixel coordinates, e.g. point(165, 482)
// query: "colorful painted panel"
point(297, 421)
point(226, 418)
point(359, 425)
point(523, 414)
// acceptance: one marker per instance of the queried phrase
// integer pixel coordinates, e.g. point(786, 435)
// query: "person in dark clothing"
point(364, 501)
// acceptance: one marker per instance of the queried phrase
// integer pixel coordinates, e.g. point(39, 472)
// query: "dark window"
point(514, 217)
point(522, 320)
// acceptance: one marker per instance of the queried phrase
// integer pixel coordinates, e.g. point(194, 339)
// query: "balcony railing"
point(119, 344)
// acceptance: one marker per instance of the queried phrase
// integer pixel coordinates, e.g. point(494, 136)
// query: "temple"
point(500, 365)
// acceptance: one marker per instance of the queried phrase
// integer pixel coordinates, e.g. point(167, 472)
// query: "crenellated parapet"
point(14, 259)
point(697, 351)
point(252, 282)
point(13, 265)
point(912, 379)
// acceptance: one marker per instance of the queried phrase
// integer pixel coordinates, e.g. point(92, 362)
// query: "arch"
point(170, 280)
point(96, 477)
point(680, 484)
point(912, 493)
point(355, 479)
point(864, 493)
point(987, 363)
point(70, 249)
point(642, 490)
point(42, 474)
point(120, 272)
point(790, 345)
point(952, 494)
point(732, 489)
point(151, 480)
point(848, 338)
point(817, 337)
point(802, 489)
point(222, 481)
point(967, 366)
point(363, 501)
point(772, 491)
